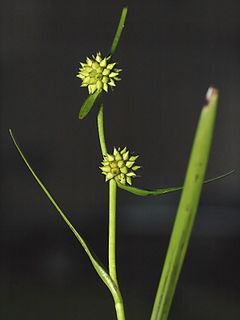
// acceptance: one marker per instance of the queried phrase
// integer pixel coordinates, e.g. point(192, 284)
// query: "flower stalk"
point(101, 136)
point(112, 230)
point(112, 266)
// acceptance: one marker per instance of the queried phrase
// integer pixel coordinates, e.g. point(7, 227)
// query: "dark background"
point(170, 52)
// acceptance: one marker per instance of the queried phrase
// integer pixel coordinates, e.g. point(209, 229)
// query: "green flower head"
point(119, 166)
point(98, 74)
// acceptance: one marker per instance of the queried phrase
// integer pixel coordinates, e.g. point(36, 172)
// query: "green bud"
point(123, 150)
point(113, 164)
point(121, 163)
point(106, 72)
point(133, 158)
point(105, 168)
point(99, 84)
point(112, 83)
point(131, 174)
point(124, 170)
point(110, 66)
point(105, 87)
point(89, 62)
point(129, 164)
point(136, 168)
point(109, 176)
point(92, 88)
point(105, 79)
point(103, 63)
point(110, 157)
point(113, 74)
point(117, 155)
point(98, 57)
point(126, 155)
point(129, 181)
point(95, 65)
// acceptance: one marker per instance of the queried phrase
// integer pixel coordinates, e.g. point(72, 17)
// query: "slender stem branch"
point(112, 230)
point(100, 124)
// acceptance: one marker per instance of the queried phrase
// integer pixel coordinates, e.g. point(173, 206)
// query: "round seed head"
point(97, 74)
point(119, 166)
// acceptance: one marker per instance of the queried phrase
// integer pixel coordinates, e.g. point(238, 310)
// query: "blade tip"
point(211, 93)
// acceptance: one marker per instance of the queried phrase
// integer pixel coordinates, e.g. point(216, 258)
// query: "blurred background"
point(170, 52)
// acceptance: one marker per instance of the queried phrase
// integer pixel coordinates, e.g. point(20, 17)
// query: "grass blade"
point(103, 274)
point(88, 104)
point(119, 31)
point(146, 192)
point(161, 191)
point(187, 208)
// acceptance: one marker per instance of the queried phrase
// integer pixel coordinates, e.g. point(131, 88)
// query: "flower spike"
point(119, 166)
point(97, 74)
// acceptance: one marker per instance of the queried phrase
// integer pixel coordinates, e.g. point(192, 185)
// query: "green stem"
point(112, 230)
point(112, 223)
point(101, 130)
point(120, 311)
point(112, 243)
point(112, 203)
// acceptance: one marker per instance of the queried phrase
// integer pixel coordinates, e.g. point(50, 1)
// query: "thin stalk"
point(120, 311)
point(112, 223)
point(101, 135)
point(112, 230)
point(112, 244)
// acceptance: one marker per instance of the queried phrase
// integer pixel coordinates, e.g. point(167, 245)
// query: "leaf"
point(88, 104)
point(119, 31)
point(160, 191)
point(145, 192)
point(187, 208)
point(103, 274)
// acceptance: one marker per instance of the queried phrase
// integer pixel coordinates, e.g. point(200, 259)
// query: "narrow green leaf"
point(160, 191)
point(103, 274)
point(88, 104)
point(119, 31)
point(187, 208)
point(145, 192)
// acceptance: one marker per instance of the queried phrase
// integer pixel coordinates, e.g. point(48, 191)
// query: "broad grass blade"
point(187, 208)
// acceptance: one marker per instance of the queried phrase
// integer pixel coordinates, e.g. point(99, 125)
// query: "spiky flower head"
point(98, 74)
point(119, 166)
